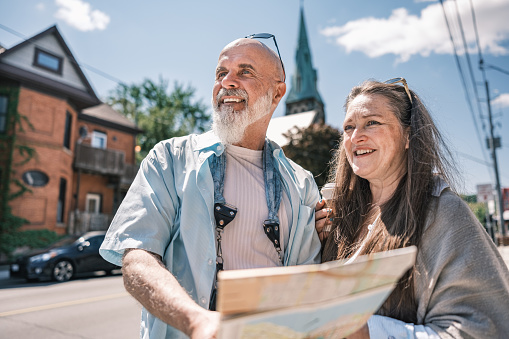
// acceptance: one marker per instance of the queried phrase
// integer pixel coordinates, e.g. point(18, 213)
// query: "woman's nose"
point(358, 136)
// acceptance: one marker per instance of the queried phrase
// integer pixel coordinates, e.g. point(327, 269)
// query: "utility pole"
point(494, 157)
point(492, 140)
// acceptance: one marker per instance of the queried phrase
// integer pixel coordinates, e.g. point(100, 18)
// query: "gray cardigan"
point(462, 282)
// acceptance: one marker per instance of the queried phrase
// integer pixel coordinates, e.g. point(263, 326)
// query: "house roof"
point(16, 63)
point(105, 115)
point(281, 125)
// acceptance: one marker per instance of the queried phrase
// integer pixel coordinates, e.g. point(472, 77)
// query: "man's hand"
point(147, 279)
point(323, 220)
point(206, 325)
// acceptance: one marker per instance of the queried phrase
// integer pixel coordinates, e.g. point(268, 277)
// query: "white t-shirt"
point(244, 242)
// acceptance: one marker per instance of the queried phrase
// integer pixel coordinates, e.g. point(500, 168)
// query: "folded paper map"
point(329, 300)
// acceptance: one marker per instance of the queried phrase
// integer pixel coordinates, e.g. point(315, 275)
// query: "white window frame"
point(99, 140)
point(97, 198)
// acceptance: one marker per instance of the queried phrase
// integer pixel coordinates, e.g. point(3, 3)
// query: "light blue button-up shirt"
point(169, 211)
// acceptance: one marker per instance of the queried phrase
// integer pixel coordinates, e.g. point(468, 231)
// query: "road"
point(87, 307)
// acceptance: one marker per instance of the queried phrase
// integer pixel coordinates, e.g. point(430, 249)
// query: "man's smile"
point(232, 100)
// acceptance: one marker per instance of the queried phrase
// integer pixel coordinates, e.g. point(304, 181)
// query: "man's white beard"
point(230, 125)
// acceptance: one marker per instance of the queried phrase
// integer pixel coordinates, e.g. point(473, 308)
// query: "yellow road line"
point(63, 304)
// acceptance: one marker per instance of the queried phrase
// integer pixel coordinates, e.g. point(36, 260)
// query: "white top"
point(244, 242)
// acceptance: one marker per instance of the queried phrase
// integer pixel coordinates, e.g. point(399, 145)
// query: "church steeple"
point(303, 95)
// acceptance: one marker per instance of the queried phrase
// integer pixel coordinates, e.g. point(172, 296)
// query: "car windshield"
point(64, 241)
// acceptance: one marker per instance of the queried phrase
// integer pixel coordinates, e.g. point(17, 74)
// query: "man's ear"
point(279, 92)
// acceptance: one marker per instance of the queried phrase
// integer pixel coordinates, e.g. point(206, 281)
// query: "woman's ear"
point(407, 132)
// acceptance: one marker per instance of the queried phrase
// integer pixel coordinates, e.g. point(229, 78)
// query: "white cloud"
point(405, 35)
point(79, 15)
point(501, 101)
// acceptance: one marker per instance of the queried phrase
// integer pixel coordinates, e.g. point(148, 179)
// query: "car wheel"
point(63, 271)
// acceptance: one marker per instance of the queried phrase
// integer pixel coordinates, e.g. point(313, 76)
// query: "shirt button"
point(203, 300)
point(218, 148)
point(211, 262)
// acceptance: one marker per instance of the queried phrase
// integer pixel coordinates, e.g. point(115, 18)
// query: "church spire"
point(303, 95)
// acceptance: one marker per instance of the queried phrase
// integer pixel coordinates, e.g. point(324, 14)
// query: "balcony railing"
point(101, 161)
point(81, 222)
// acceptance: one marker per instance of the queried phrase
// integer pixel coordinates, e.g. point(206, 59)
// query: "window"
point(99, 139)
point(35, 178)
point(3, 113)
point(67, 132)
point(61, 200)
point(48, 61)
point(93, 203)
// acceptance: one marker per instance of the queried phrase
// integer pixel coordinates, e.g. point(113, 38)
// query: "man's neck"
point(253, 144)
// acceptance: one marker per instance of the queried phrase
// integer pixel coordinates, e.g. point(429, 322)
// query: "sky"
point(120, 41)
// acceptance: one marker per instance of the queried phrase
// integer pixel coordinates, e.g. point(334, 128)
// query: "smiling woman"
point(375, 143)
point(392, 176)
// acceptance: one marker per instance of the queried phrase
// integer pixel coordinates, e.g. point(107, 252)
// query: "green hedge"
point(31, 238)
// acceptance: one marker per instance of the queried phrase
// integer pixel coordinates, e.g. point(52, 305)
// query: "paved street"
point(87, 307)
point(84, 308)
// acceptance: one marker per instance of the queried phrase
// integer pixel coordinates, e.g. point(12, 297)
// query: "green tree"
point(159, 113)
point(313, 148)
point(479, 210)
point(469, 198)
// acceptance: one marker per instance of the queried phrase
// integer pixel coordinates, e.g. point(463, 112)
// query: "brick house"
point(83, 159)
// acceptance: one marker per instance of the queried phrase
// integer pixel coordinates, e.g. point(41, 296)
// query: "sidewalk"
point(504, 250)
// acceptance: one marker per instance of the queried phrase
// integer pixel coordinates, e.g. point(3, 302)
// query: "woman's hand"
point(323, 220)
point(362, 333)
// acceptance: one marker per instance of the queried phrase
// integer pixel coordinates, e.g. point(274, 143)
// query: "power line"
point(497, 68)
point(462, 76)
point(467, 55)
point(492, 143)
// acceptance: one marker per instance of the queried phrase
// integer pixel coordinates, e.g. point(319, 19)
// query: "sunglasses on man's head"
point(268, 36)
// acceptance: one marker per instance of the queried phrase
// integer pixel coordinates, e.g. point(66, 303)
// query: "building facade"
point(66, 158)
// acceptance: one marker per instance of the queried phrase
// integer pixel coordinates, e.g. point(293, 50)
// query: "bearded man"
point(226, 199)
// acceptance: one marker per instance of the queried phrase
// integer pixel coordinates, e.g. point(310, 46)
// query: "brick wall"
point(95, 184)
point(47, 115)
point(116, 140)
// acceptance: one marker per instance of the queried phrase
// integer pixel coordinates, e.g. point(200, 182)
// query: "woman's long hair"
point(403, 216)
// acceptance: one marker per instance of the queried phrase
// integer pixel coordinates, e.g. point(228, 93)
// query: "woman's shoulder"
point(449, 215)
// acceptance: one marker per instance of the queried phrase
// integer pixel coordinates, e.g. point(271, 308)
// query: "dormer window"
point(48, 61)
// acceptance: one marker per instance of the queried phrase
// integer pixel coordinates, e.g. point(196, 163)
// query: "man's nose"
point(230, 81)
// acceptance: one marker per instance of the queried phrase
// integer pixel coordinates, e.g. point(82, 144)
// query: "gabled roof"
point(16, 64)
point(105, 115)
point(281, 125)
